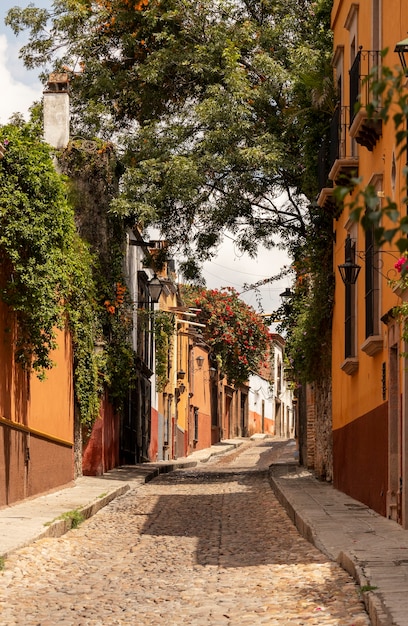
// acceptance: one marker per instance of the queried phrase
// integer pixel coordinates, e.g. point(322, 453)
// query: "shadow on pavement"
point(241, 528)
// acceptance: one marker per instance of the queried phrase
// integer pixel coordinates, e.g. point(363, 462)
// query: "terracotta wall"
point(255, 424)
point(360, 470)
point(36, 421)
point(101, 448)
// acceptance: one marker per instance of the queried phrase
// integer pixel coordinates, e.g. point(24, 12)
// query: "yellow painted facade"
point(367, 369)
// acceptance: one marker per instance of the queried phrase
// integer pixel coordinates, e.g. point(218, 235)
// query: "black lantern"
point(286, 295)
point(402, 49)
point(155, 288)
point(349, 270)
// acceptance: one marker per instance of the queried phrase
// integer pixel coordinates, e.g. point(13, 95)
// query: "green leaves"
point(217, 103)
point(237, 336)
point(34, 223)
point(48, 280)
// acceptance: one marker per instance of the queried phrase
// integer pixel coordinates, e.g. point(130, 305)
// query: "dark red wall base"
point(360, 466)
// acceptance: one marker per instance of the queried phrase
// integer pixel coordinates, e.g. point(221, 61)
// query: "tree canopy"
point(217, 107)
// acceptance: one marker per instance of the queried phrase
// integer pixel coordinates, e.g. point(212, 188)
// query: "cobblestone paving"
point(203, 547)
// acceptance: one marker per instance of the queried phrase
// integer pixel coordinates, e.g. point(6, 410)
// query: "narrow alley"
point(208, 546)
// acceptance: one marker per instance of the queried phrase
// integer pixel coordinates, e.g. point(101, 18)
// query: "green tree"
point(222, 103)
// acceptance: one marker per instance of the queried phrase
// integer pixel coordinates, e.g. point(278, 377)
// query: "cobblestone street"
point(208, 546)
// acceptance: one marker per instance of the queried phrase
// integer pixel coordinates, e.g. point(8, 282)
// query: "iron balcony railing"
point(334, 146)
point(363, 72)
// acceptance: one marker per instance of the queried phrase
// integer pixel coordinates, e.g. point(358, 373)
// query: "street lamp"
point(286, 295)
point(200, 361)
point(349, 270)
point(155, 287)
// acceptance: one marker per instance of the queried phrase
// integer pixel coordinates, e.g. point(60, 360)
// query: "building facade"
point(368, 372)
point(271, 408)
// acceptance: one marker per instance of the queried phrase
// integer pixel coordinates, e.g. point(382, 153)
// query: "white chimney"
point(56, 111)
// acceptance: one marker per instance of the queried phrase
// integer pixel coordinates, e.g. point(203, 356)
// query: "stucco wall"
point(30, 465)
point(360, 470)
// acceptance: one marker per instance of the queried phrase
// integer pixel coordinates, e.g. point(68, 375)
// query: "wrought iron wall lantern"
point(212, 371)
point(286, 295)
point(349, 270)
point(155, 288)
point(402, 50)
point(200, 361)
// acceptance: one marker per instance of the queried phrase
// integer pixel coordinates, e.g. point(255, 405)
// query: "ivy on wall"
point(46, 267)
point(163, 327)
point(93, 173)
point(58, 271)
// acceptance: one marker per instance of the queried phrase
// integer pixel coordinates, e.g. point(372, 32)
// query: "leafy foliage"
point(229, 99)
point(91, 167)
point(236, 334)
point(53, 278)
point(164, 329)
point(219, 109)
point(47, 277)
point(306, 320)
point(35, 220)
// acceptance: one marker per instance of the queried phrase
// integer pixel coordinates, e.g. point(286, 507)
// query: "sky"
point(19, 88)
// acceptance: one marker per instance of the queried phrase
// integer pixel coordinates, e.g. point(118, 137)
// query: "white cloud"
point(15, 96)
point(230, 268)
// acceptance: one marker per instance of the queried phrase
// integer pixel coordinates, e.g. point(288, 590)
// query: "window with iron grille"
point(349, 317)
point(371, 284)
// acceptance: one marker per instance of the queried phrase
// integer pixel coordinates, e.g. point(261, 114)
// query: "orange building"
point(36, 421)
point(368, 372)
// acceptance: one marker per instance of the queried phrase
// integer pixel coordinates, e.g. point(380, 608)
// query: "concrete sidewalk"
point(373, 549)
point(50, 515)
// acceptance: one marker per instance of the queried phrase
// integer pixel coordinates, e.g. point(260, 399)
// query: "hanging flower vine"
point(235, 332)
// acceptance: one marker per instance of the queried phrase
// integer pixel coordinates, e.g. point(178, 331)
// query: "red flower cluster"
point(402, 265)
point(119, 299)
point(235, 332)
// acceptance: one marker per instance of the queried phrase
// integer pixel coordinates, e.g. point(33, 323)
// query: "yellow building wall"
point(361, 397)
point(45, 405)
point(36, 420)
point(359, 393)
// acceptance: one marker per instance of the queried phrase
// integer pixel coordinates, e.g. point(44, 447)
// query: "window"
point(371, 284)
point(350, 306)
point(373, 339)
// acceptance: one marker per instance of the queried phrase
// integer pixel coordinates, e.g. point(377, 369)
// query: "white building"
point(270, 404)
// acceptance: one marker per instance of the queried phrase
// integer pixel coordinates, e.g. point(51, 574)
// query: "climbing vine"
point(47, 268)
point(93, 171)
point(162, 325)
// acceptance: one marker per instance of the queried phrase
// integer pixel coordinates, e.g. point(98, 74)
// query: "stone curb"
point(59, 527)
point(377, 612)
